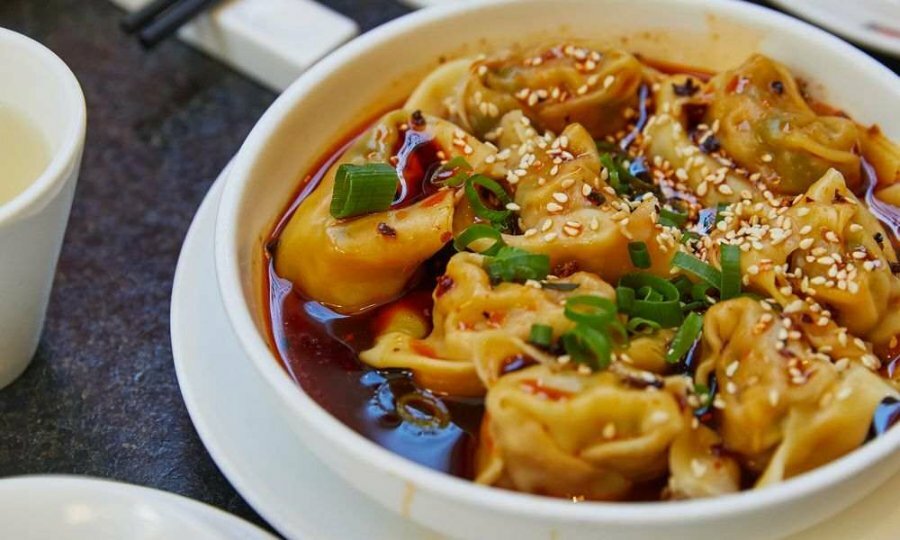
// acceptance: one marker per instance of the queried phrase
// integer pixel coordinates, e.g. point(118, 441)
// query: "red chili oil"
point(320, 348)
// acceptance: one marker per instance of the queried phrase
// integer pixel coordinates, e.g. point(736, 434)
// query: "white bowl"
point(380, 68)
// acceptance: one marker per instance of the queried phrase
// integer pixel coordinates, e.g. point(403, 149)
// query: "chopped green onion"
point(688, 236)
point(363, 189)
point(479, 207)
point(730, 259)
point(477, 232)
point(699, 292)
point(559, 286)
point(638, 325)
point(672, 218)
point(615, 180)
point(655, 299)
point(625, 299)
point(541, 335)
point(586, 345)
point(640, 257)
point(517, 265)
point(685, 337)
point(683, 284)
point(721, 207)
point(698, 268)
point(459, 170)
point(593, 311)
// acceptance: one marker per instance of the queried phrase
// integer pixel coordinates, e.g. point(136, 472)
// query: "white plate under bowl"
point(383, 65)
point(255, 447)
point(79, 508)
point(872, 23)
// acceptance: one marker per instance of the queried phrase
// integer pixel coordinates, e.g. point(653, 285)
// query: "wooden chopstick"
point(162, 18)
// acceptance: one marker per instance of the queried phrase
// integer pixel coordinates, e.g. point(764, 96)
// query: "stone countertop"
point(101, 397)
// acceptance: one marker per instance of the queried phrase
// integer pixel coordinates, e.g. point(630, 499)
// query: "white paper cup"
point(38, 85)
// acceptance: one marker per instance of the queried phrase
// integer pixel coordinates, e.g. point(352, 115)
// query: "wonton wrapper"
point(478, 328)
point(547, 432)
point(666, 136)
point(699, 465)
point(477, 93)
point(778, 133)
point(828, 208)
point(782, 422)
point(604, 230)
point(347, 263)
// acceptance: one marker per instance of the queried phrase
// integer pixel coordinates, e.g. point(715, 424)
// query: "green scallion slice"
point(730, 259)
point(698, 268)
point(615, 178)
point(541, 335)
point(363, 189)
point(638, 325)
point(481, 209)
point(655, 299)
point(561, 286)
point(625, 299)
point(593, 311)
point(672, 218)
point(640, 257)
point(517, 265)
point(589, 346)
point(688, 236)
point(453, 173)
point(477, 232)
point(685, 337)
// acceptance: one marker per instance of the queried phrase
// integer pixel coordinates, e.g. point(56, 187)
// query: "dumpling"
point(825, 246)
point(570, 435)
point(696, 168)
point(568, 210)
point(373, 257)
point(767, 126)
point(554, 86)
point(777, 393)
point(699, 464)
point(480, 330)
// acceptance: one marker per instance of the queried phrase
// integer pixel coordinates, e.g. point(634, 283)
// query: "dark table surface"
point(101, 397)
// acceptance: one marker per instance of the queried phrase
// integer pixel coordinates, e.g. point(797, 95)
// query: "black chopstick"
point(136, 20)
point(162, 18)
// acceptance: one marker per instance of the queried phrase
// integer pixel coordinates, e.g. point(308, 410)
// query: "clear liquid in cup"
point(24, 154)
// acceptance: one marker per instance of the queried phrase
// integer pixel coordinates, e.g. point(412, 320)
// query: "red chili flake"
point(596, 198)
point(446, 237)
point(565, 269)
point(552, 394)
point(386, 230)
point(422, 349)
point(444, 284)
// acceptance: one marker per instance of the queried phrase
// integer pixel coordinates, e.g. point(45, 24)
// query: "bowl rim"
point(362, 449)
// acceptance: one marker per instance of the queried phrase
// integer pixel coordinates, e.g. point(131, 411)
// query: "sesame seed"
point(732, 368)
point(609, 431)
point(767, 158)
point(806, 243)
point(554, 207)
point(608, 81)
point(773, 397)
point(530, 232)
point(725, 189)
point(560, 197)
point(698, 467)
point(549, 237)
